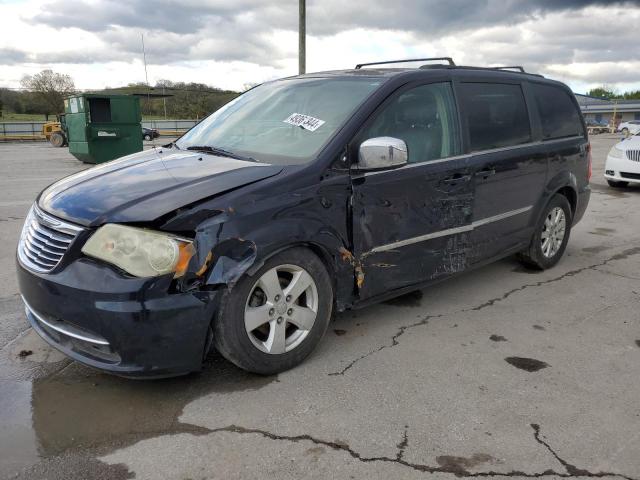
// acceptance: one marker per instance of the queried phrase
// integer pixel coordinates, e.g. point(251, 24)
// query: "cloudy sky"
point(230, 44)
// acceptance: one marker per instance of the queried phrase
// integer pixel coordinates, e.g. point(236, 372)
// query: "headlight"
point(616, 152)
point(140, 252)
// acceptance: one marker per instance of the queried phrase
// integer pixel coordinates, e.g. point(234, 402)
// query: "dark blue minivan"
point(301, 197)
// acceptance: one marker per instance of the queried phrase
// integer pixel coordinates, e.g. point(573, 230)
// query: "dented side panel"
point(236, 234)
point(411, 225)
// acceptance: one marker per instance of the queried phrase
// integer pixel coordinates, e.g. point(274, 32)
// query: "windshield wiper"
point(221, 152)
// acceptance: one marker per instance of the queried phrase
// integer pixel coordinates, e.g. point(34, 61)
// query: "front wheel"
point(147, 137)
point(272, 321)
point(551, 235)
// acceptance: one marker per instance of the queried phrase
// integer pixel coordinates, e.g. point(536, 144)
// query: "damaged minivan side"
point(302, 197)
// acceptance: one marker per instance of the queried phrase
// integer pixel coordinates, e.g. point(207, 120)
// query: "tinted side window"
point(425, 118)
point(496, 115)
point(559, 115)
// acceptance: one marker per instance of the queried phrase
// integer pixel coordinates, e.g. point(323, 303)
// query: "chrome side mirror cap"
point(382, 152)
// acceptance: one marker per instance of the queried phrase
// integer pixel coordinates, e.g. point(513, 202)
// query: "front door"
point(412, 223)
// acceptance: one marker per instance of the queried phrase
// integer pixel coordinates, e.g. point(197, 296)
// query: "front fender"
point(235, 241)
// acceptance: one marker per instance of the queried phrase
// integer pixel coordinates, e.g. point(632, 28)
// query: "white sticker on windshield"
point(305, 121)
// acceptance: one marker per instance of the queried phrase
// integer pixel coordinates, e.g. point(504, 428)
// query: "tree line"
point(44, 94)
point(608, 93)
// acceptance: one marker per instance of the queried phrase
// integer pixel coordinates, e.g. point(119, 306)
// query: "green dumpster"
point(103, 127)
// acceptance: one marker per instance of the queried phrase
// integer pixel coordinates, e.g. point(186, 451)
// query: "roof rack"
point(514, 67)
point(448, 59)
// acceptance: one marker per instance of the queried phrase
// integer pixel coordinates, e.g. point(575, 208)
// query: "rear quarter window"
point(496, 115)
point(559, 115)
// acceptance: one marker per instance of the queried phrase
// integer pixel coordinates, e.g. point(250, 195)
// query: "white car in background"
point(623, 162)
point(632, 127)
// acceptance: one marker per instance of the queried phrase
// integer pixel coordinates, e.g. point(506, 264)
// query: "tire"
point(147, 137)
point(57, 139)
point(615, 184)
point(625, 131)
point(539, 255)
point(247, 304)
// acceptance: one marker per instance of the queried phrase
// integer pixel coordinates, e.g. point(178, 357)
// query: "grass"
point(24, 117)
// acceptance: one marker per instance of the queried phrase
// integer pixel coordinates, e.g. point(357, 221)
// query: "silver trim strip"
point(66, 329)
point(449, 231)
point(501, 216)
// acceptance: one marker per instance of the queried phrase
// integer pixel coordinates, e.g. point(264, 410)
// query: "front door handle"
point(457, 179)
point(486, 173)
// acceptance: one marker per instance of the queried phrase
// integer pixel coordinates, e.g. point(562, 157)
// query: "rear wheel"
point(615, 184)
point(56, 139)
point(551, 235)
point(272, 321)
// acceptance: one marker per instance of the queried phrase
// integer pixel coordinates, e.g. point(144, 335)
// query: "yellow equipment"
point(55, 133)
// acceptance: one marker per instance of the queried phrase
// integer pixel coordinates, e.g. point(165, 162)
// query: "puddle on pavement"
point(605, 232)
point(83, 409)
point(596, 249)
point(527, 364)
point(461, 465)
point(613, 192)
point(497, 338)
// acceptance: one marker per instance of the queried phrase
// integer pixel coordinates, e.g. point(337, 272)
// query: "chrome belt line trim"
point(66, 330)
point(501, 216)
point(450, 231)
point(422, 238)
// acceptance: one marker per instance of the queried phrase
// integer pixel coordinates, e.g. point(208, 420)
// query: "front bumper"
point(622, 170)
point(127, 326)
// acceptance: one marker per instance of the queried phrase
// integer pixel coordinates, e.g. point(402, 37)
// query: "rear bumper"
point(127, 326)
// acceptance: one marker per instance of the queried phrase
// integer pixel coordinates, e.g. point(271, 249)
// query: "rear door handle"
point(486, 173)
point(457, 179)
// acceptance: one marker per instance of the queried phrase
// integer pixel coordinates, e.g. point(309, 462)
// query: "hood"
point(631, 143)
point(146, 185)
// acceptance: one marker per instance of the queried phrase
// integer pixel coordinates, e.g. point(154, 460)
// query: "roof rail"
point(514, 67)
point(448, 59)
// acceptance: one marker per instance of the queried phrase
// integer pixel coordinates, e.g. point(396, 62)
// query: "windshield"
point(282, 122)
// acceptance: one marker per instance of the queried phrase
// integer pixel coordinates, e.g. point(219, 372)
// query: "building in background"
point(600, 110)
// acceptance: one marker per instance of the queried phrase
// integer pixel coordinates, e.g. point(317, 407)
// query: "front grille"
point(631, 176)
point(44, 240)
point(633, 155)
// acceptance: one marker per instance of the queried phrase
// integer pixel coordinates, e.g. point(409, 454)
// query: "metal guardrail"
point(33, 130)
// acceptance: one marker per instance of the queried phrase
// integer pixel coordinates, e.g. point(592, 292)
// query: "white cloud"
point(230, 44)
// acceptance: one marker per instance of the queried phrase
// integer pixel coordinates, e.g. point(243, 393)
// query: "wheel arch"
point(565, 184)
point(321, 251)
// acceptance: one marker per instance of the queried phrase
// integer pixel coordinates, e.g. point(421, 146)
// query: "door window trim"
point(474, 154)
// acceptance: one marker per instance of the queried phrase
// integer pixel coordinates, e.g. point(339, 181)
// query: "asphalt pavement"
point(501, 372)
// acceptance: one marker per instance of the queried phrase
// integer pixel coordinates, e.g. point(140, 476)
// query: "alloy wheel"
point(281, 309)
point(553, 232)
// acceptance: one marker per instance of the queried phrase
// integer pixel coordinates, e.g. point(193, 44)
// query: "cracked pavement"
point(500, 372)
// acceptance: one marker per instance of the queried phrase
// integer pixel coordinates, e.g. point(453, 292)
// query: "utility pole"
point(302, 34)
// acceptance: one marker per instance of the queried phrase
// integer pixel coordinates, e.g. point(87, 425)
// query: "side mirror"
point(382, 152)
